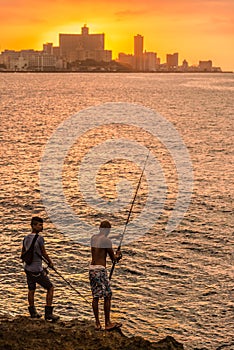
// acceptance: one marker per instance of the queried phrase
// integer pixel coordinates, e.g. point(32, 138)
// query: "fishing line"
point(60, 275)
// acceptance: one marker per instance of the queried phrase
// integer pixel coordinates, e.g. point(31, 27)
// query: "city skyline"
point(198, 30)
point(76, 49)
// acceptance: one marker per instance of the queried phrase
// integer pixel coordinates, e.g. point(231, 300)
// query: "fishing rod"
point(129, 214)
point(58, 273)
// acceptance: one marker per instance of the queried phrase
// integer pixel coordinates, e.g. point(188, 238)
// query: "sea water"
point(178, 283)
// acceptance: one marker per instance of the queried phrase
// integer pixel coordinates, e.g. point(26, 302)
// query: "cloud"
point(119, 8)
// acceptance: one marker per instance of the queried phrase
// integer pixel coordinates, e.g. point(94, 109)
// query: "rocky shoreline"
point(23, 333)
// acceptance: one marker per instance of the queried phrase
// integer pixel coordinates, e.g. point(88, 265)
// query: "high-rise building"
point(158, 61)
point(185, 65)
point(205, 66)
point(126, 60)
point(73, 46)
point(138, 45)
point(150, 59)
point(56, 51)
point(172, 61)
point(48, 48)
point(138, 52)
point(140, 61)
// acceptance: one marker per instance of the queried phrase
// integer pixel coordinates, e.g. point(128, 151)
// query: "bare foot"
point(98, 327)
point(112, 326)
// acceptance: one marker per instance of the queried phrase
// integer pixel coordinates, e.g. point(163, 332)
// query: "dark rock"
point(23, 333)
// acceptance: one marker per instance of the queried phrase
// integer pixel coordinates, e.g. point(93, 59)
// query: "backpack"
point(27, 256)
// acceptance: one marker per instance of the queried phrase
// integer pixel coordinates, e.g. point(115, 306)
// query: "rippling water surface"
point(178, 284)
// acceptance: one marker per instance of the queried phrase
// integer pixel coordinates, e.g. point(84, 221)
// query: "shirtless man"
point(101, 246)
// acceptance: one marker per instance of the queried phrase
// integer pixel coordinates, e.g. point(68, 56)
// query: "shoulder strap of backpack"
point(34, 241)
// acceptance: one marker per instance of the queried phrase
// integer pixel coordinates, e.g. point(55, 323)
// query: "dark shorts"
point(100, 284)
point(41, 278)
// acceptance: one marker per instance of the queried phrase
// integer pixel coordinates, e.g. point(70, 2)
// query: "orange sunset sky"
point(198, 29)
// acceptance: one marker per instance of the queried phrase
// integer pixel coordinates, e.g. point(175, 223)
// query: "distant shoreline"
point(123, 72)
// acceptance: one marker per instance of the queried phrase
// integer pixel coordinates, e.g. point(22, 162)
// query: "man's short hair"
point(105, 224)
point(35, 220)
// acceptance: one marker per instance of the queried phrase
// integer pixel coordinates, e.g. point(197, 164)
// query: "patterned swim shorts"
point(99, 282)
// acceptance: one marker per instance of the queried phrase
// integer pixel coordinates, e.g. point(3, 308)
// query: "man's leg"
point(49, 296)
point(44, 281)
point(49, 308)
point(31, 297)
point(31, 291)
point(32, 310)
point(107, 306)
point(96, 312)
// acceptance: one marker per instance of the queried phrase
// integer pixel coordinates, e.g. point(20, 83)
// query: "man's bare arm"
point(114, 256)
point(46, 256)
point(111, 254)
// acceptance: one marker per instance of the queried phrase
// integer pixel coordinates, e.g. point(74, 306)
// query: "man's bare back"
point(100, 247)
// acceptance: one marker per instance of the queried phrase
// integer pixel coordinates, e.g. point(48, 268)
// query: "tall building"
point(150, 60)
point(48, 48)
point(185, 65)
point(138, 45)
point(56, 51)
point(138, 52)
point(172, 61)
point(205, 66)
point(81, 46)
point(126, 60)
point(140, 61)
